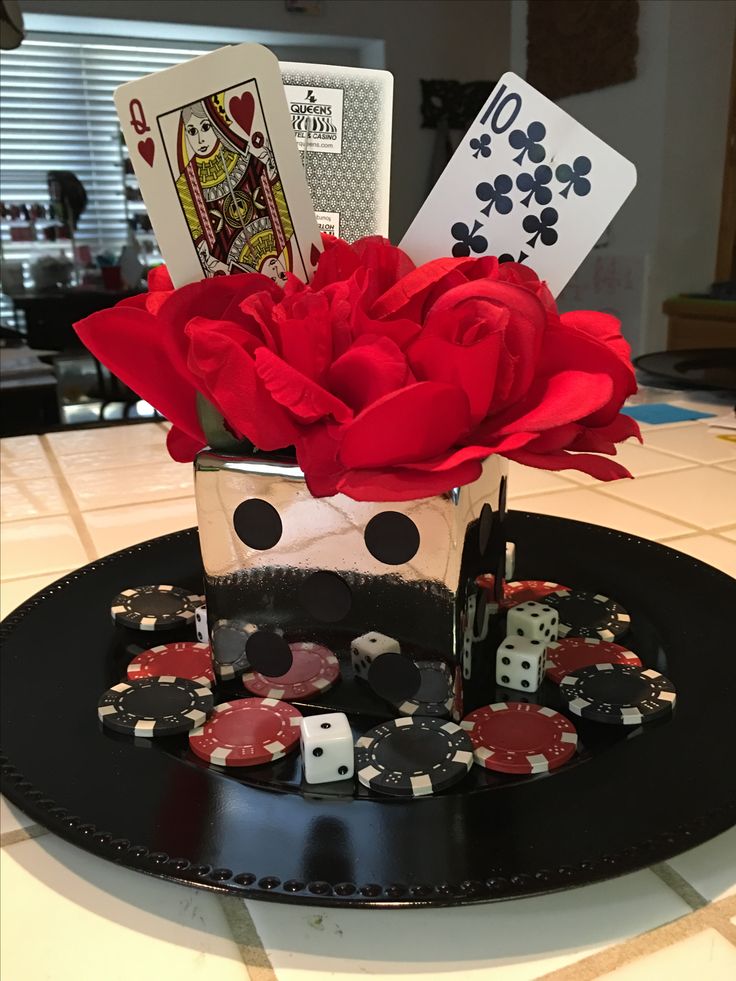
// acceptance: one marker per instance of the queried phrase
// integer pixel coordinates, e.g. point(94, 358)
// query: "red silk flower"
point(392, 382)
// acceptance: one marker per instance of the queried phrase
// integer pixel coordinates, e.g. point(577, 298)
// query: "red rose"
point(392, 382)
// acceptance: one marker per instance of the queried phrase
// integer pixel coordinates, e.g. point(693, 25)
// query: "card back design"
point(342, 121)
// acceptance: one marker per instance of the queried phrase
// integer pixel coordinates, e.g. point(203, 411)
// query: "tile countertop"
point(69, 915)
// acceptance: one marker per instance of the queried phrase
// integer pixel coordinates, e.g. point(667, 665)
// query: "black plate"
point(701, 368)
point(629, 799)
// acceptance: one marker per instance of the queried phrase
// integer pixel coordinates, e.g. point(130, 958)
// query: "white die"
point(366, 648)
point(327, 748)
point(520, 663)
point(533, 620)
point(200, 620)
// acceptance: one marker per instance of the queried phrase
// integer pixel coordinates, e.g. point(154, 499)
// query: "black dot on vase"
point(326, 596)
point(392, 537)
point(257, 524)
point(485, 524)
point(394, 677)
point(268, 653)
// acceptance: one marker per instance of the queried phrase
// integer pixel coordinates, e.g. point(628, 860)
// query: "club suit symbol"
point(529, 142)
point(575, 177)
point(496, 195)
point(467, 239)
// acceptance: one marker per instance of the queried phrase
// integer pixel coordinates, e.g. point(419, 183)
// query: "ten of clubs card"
point(527, 183)
point(213, 149)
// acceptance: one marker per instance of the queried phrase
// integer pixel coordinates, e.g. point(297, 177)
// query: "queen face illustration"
point(201, 137)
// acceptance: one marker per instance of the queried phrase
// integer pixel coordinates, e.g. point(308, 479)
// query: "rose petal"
point(565, 348)
point(405, 297)
point(181, 446)
point(159, 278)
point(600, 467)
point(471, 369)
point(416, 423)
point(565, 397)
point(604, 327)
point(401, 484)
point(303, 397)
point(148, 355)
point(368, 371)
point(227, 375)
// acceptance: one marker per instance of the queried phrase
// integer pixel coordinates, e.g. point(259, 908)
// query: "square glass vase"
point(331, 569)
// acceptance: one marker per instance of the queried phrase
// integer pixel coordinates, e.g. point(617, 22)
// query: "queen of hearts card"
point(229, 187)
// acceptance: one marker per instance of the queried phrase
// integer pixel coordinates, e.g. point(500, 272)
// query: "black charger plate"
point(629, 799)
point(700, 368)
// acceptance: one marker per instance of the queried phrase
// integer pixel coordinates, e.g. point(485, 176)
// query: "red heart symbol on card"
point(242, 108)
point(147, 149)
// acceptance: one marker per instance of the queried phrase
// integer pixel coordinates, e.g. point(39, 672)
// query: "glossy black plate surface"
point(629, 799)
point(701, 368)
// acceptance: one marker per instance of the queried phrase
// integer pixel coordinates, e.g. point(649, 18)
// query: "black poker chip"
point(154, 607)
point(164, 706)
point(435, 694)
point(229, 640)
point(413, 757)
point(619, 694)
point(588, 614)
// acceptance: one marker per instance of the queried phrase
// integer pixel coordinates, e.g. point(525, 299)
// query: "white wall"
point(456, 39)
point(671, 122)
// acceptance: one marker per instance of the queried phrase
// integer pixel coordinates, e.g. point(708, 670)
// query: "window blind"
point(57, 113)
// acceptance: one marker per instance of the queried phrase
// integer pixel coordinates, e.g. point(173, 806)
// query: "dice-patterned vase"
point(332, 569)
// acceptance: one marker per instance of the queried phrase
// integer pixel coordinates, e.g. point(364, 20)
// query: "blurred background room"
point(653, 78)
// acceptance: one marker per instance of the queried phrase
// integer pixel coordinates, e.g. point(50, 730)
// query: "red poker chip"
point(314, 670)
point(181, 660)
point(571, 653)
point(247, 732)
point(518, 737)
point(518, 590)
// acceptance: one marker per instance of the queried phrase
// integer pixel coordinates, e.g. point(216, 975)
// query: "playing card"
point(218, 166)
point(342, 122)
point(527, 183)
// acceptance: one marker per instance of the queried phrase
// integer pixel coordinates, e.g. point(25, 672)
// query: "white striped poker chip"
point(618, 694)
point(183, 659)
point(585, 614)
point(413, 756)
point(314, 670)
point(571, 653)
point(162, 706)
point(154, 607)
point(247, 732)
point(519, 737)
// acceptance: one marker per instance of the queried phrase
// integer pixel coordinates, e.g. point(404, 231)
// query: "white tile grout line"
point(30, 831)
point(247, 939)
point(104, 507)
point(71, 502)
point(715, 916)
point(679, 885)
